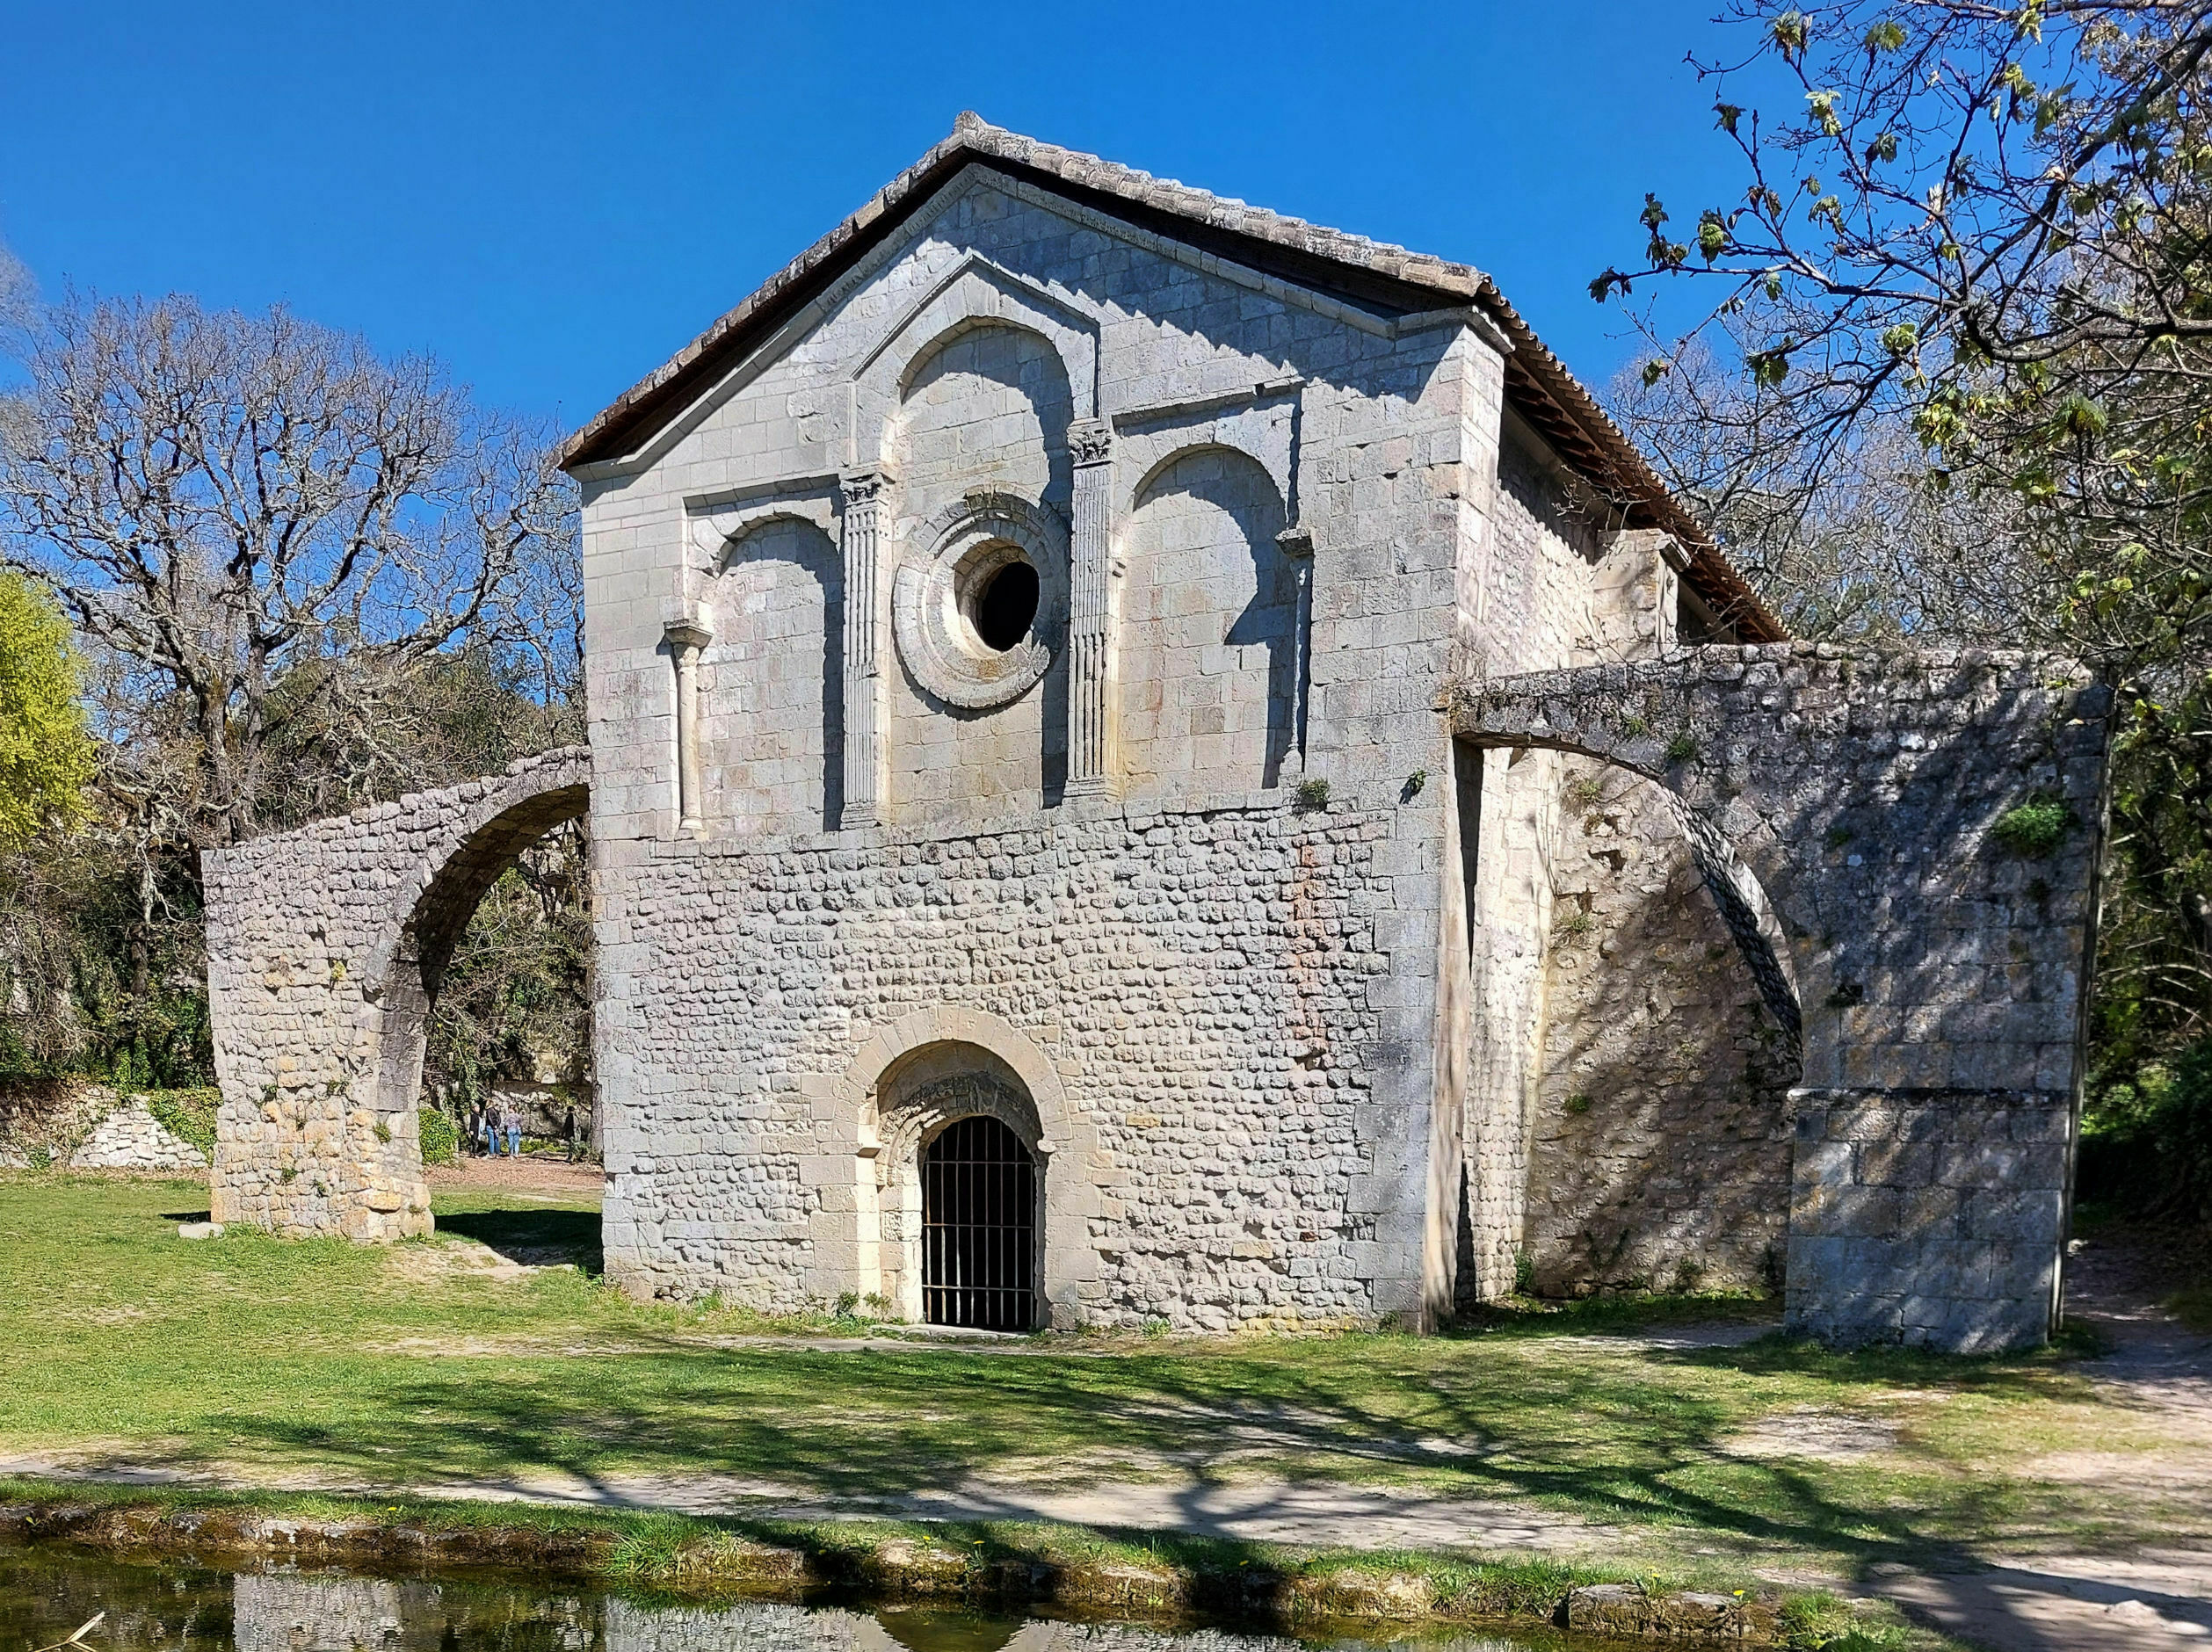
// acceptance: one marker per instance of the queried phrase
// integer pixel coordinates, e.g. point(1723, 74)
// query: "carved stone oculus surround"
point(940, 597)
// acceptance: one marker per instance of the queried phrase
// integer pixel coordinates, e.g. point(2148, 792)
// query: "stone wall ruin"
point(1936, 973)
point(324, 947)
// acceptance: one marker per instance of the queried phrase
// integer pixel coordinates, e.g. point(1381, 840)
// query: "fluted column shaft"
point(1089, 734)
point(864, 492)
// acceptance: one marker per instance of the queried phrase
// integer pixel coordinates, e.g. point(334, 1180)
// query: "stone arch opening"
point(432, 921)
point(960, 1169)
point(327, 947)
point(1660, 1120)
point(426, 923)
point(979, 1226)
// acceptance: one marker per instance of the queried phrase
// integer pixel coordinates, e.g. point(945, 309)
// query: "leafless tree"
point(264, 527)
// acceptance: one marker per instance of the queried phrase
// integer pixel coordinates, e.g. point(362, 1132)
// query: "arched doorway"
point(979, 1226)
point(956, 1231)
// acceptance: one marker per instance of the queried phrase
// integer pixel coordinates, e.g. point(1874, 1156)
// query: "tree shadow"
point(534, 1238)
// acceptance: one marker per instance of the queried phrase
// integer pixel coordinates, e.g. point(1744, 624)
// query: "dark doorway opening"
point(979, 1225)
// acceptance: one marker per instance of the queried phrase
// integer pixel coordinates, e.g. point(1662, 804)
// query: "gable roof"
point(1371, 273)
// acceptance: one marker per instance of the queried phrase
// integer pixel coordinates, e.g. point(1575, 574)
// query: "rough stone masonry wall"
point(86, 1127)
point(318, 945)
point(1939, 971)
point(1199, 981)
point(1661, 1142)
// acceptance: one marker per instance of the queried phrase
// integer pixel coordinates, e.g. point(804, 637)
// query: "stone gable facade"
point(1213, 696)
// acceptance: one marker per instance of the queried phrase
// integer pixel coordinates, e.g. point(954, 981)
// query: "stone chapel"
point(1152, 761)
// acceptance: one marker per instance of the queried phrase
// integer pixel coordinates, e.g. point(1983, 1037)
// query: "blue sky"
point(554, 197)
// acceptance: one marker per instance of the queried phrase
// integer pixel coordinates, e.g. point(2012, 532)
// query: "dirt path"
point(2158, 1369)
point(2054, 1602)
point(538, 1175)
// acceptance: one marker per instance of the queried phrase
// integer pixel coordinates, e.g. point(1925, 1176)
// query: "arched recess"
point(917, 1075)
point(1660, 1123)
point(426, 918)
point(1737, 890)
point(772, 682)
point(983, 415)
point(1207, 617)
point(974, 293)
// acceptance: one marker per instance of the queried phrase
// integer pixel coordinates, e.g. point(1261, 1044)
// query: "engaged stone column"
point(864, 490)
point(688, 638)
point(1089, 762)
point(1296, 544)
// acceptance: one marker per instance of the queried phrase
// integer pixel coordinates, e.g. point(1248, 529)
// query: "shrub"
point(187, 1114)
point(1313, 795)
point(441, 1141)
point(2034, 828)
point(2147, 1146)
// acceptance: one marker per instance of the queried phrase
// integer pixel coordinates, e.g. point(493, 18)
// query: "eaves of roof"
point(1374, 275)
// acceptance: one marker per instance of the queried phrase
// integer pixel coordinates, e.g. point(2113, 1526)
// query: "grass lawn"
point(317, 1362)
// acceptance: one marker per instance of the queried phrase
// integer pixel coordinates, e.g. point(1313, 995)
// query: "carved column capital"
point(1091, 442)
point(687, 634)
point(864, 484)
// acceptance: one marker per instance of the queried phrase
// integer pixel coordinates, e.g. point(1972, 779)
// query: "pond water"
point(46, 1593)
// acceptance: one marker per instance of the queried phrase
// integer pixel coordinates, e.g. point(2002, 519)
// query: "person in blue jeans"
point(514, 1115)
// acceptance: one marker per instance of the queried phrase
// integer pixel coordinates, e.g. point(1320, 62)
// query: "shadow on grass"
point(187, 1215)
point(532, 1237)
point(1617, 1442)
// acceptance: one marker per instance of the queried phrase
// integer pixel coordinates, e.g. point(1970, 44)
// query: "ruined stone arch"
point(458, 866)
point(1737, 890)
point(325, 949)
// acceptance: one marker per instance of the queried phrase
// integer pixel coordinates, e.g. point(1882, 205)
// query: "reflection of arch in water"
point(1207, 651)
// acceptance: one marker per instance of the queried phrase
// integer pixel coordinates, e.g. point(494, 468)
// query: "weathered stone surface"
point(68, 1123)
point(324, 945)
point(1929, 977)
point(1362, 872)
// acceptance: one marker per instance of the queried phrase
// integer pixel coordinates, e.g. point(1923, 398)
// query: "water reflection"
point(46, 1593)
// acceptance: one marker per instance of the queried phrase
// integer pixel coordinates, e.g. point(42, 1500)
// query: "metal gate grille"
point(979, 1204)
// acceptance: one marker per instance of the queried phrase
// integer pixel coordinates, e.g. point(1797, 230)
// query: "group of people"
point(492, 1124)
point(488, 1125)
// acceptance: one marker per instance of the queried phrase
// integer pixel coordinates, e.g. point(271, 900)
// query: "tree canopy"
point(45, 753)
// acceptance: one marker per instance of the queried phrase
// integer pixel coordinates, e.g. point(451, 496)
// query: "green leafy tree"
point(46, 752)
point(1981, 234)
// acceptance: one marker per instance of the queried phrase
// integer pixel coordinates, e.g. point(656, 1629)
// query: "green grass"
point(321, 1362)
